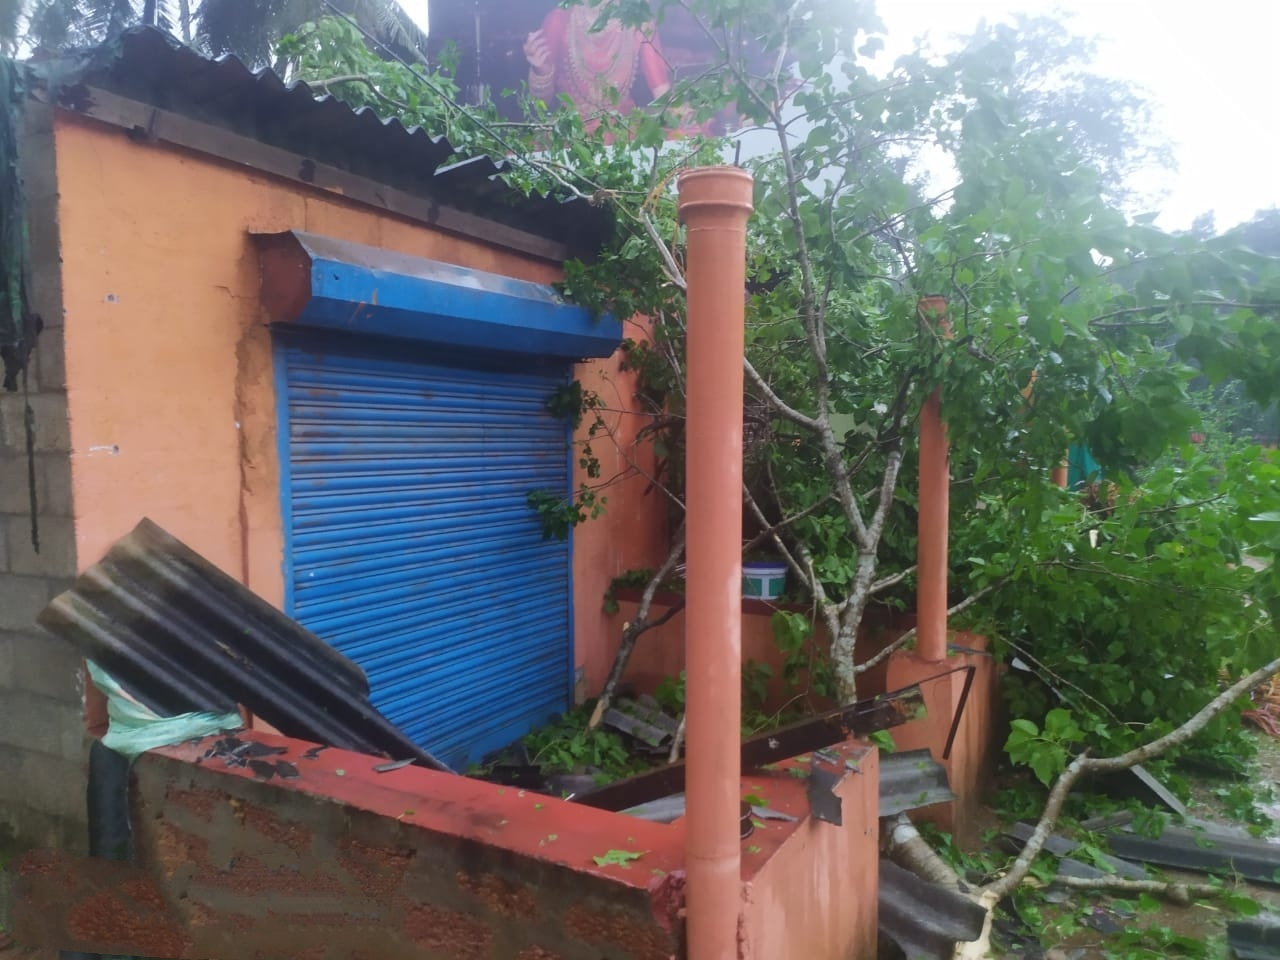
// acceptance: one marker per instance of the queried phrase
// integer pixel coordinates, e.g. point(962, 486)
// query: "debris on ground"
point(1255, 939)
point(234, 752)
point(806, 736)
point(924, 919)
point(644, 720)
point(1265, 714)
point(1138, 783)
point(1135, 782)
point(1201, 847)
point(1061, 847)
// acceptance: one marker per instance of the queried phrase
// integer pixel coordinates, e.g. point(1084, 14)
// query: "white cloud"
point(416, 10)
point(1208, 69)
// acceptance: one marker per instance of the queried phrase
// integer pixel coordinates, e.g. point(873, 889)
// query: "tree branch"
point(637, 626)
point(1085, 764)
point(787, 521)
point(1179, 893)
point(361, 79)
point(1158, 307)
point(888, 485)
point(884, 583)
point(775, 401)
point(910, 635)
point(669, 265)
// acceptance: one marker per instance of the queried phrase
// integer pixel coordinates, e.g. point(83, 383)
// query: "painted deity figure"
point(567, 57)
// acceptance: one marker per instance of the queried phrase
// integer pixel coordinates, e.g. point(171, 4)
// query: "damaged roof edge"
point(145, 65)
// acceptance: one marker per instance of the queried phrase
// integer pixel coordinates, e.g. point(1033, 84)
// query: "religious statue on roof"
point(567, 55)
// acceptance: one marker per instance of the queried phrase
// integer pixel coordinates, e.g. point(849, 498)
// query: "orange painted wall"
point(971, 767)
point(817, 896)
point(659, 652)
point(632, 533)
point(169, 369)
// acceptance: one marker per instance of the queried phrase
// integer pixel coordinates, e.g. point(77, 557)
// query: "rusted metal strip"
point(152, 124)
point(969, 672)
point(866, 716)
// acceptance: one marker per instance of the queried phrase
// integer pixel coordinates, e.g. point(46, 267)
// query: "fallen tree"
point(1048, 281)
point(990, 895)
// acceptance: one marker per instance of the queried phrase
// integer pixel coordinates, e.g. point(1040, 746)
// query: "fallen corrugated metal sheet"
point(1062, 847)
point(181, 636)
point(1138, 783)
point(1257, 939)
point(924, 919)
point(1204, 849)
point(911, 780)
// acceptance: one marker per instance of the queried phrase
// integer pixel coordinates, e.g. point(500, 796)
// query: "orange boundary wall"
point(415, 863)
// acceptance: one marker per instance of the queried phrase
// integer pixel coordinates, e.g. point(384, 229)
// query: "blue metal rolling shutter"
point(413, 550)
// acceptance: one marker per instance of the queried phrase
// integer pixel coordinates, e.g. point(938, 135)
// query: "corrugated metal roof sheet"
point(148, 65)
point(1254, 939)
point(1062, 847)
point(911, 780)
point(182, 636)
point(924, 919)
point(1203, 847)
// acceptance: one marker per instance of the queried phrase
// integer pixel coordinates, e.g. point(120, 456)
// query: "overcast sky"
point(1208, 67)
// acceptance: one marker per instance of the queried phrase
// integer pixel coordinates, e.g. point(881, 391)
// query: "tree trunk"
point(905, 847)
point(842, 658)
point(632, 631)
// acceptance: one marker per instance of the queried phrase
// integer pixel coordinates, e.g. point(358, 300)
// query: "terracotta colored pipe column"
point(934, 514)
point(1060, 475)
point(715, 203)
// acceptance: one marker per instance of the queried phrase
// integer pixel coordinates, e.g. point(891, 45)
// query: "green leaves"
point(559, 515)
point(1044, 752)
point(883, 739)
point(566, 747)
point(617, 858)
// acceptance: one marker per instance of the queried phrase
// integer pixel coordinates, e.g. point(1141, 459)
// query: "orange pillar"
point(1060, 475)
point(715, 203)
point(935, 503)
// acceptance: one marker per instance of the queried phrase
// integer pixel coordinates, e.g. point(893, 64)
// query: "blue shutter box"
point(411, 546)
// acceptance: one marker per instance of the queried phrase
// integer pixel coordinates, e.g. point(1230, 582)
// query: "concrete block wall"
point(340, 860)
point(43, 745)
point(346, 862)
